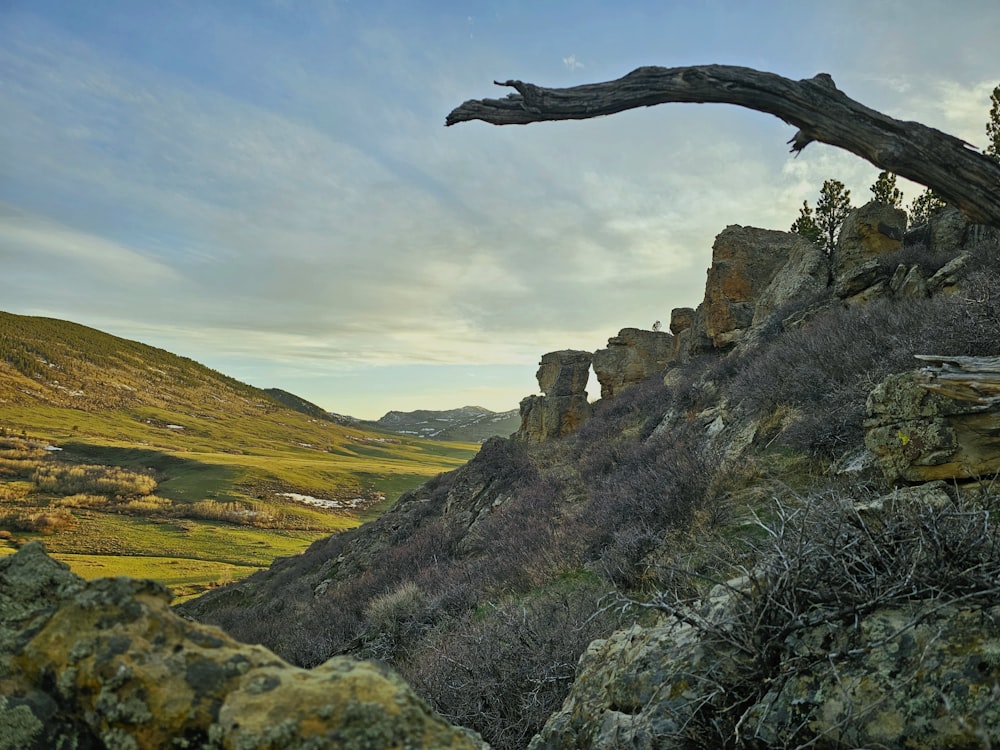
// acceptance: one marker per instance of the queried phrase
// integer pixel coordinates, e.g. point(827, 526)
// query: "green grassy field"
point(217, 513)
point(170, 470)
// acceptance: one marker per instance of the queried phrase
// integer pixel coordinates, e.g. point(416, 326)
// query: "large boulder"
point(873, 230)
point(562, 377)
point(753, 272)
point(632, 356)
point(937, 423)
point(564, 373)
point(867, 234)
point(681, 324)
point(107, 664)
point(949, 231)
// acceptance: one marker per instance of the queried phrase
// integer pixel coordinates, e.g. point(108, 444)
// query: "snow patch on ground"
point(319, 502)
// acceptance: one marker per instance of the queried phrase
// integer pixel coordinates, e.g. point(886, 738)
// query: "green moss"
point(19, 727)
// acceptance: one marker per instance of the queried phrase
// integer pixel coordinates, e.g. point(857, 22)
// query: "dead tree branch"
point(951, 167)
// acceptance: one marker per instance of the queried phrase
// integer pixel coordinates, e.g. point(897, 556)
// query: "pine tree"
point(831, 209)
point(924, 206)
point(993, 126)
point(805, 225)
point(885, 191)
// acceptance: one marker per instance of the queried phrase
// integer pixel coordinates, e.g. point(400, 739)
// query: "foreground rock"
point(107, 664)
point(562, 377)
point(633, 356)
point(889, 679)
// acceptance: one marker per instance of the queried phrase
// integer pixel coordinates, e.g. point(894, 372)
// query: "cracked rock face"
point(107, 664)
point(562, 377)
point(631, 357)
point(755, 271)
point(867, 233)
point(922, 675)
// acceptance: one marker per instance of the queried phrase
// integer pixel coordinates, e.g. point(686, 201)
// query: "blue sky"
point(266, 186)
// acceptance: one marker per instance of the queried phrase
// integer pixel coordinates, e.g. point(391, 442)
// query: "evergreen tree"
point(831, 209)
point(885, 191)
point(805, 225)
point(993, 126)
point(924, 206)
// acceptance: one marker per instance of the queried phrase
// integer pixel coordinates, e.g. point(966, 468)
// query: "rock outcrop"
point(753, 272)
point(887, 679)
point(937, 423)
point(949, 231)
point(562, 378)
point(867, 234)
point(681, 323)
point(631, 357)
point(107, 664)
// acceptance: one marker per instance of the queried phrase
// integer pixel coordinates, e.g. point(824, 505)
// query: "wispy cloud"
point(281, 189)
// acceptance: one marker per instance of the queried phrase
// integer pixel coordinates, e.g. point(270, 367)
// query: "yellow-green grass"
point(230, 457)
point(221, 452)
point(235, 458)
point(187, 555)
point(186, 578)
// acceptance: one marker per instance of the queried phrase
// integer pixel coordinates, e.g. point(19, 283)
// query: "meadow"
point(128, 492)
point(127, 459)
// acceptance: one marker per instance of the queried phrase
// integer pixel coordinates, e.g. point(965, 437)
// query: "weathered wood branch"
point(975, 379)
point(951, 167)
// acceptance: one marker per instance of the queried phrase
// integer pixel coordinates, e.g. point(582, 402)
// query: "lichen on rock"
point(108, 664)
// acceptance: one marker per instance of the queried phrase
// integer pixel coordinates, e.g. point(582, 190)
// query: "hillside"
point(129, 459)
point(740, 549)
point(468, 424)
point(308, 407)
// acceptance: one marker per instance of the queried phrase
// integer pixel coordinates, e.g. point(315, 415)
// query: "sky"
point(267, 186)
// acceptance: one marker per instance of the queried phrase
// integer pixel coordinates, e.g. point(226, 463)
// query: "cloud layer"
point(268, 187)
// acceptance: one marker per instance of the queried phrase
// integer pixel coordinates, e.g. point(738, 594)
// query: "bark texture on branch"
point(975, 379)
point(951, 167)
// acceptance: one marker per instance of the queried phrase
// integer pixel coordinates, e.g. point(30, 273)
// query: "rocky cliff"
point(753, 272)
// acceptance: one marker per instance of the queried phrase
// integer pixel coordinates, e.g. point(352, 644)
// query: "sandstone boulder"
point(564, 373)
point(868, 233)
point(107, 664)
point(548, 417)
point(562, 377)
point(948, 231)
point(938, 423)
point(632, 356)
point(681, 325)
point(753, 272)
point(681, 319)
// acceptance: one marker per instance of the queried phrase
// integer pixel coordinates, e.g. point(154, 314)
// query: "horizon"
point(268, 188)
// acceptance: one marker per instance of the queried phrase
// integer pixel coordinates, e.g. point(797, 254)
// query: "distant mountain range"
point(469, 424)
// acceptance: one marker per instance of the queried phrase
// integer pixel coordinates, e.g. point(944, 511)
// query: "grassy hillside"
point(170, 470)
